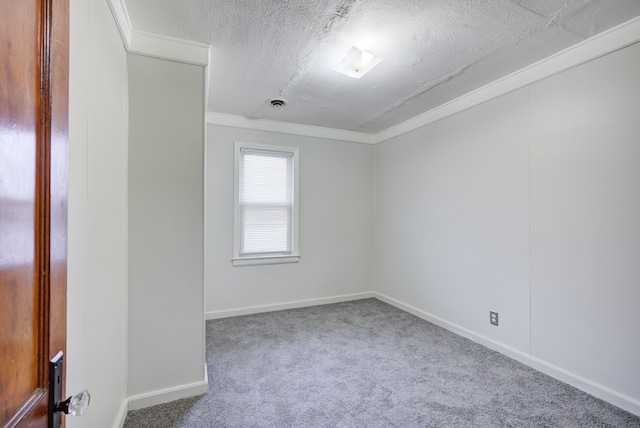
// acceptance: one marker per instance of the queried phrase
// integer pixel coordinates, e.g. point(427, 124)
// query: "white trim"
point(207, 84)
point(121, 16)
point(590, 49)
point(617, 399)
point(170, 394)
point(212, 315)
point(159, 46)
point(126, 247)
point(235, 121)
point(294, 256)
point(601, 44)
point(271, 260)
point(198, 53)
point(121, 416)
point(204, 247)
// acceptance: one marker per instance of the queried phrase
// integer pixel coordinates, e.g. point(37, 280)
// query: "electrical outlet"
point(493, 317)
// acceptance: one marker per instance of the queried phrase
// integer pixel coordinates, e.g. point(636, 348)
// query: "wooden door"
point(33, 203)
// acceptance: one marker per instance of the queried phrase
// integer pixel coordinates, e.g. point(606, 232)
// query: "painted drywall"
point(452, 219)
point(166, 225)
point(527, 205)
point(97, 239)
point(336, 225)
point(585, 221)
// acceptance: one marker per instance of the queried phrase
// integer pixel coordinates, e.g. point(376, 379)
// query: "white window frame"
point(244, 260)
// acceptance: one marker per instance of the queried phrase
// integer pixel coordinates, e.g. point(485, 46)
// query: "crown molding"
point(121, 16)
point(169, 48)
point(185, 51)
point(156, 45)
point(287, 128)
point(599, 45)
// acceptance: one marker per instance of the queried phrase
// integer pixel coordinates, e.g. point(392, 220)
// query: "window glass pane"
point(266, 229)
point(265, 179)
point(265, 202)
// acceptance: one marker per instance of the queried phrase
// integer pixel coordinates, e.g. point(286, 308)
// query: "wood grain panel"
point(19, 295)
point(33, 203)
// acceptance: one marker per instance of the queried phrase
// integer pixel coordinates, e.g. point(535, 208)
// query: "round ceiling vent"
point(276, 103)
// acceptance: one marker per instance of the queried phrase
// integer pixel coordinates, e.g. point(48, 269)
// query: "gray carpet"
point(367, 364)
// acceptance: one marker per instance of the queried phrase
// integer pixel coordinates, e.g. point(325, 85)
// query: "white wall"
point(585, 221)
point(527, 205)
point(166, 226)
point(452, 219)
point(97, 283)
point(336, 226)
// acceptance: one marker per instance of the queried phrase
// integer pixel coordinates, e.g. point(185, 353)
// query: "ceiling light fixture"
point(357, 63)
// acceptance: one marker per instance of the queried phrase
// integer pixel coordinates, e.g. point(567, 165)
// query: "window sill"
point(270, 260)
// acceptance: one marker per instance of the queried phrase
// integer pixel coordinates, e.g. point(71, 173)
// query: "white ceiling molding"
point(120, 14)
point(198, 53)
point(156, 45)
point(169, 48)
point(207, 80)
point(595, 47)
point(288, 128)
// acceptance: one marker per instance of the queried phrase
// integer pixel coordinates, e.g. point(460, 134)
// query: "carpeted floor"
point(367, 364)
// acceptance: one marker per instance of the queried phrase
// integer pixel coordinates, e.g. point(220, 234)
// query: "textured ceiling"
point(434, 50)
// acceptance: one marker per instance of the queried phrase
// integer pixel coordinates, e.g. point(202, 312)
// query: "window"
point(266, 204)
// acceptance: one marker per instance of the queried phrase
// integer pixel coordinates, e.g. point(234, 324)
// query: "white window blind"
point(265, 202)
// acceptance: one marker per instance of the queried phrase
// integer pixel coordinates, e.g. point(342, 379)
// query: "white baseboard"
point(617, 399)
point(122, 414)
point(211, 315)
point(170, 394)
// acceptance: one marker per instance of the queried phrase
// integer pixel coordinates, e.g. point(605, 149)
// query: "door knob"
point(75, 405)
